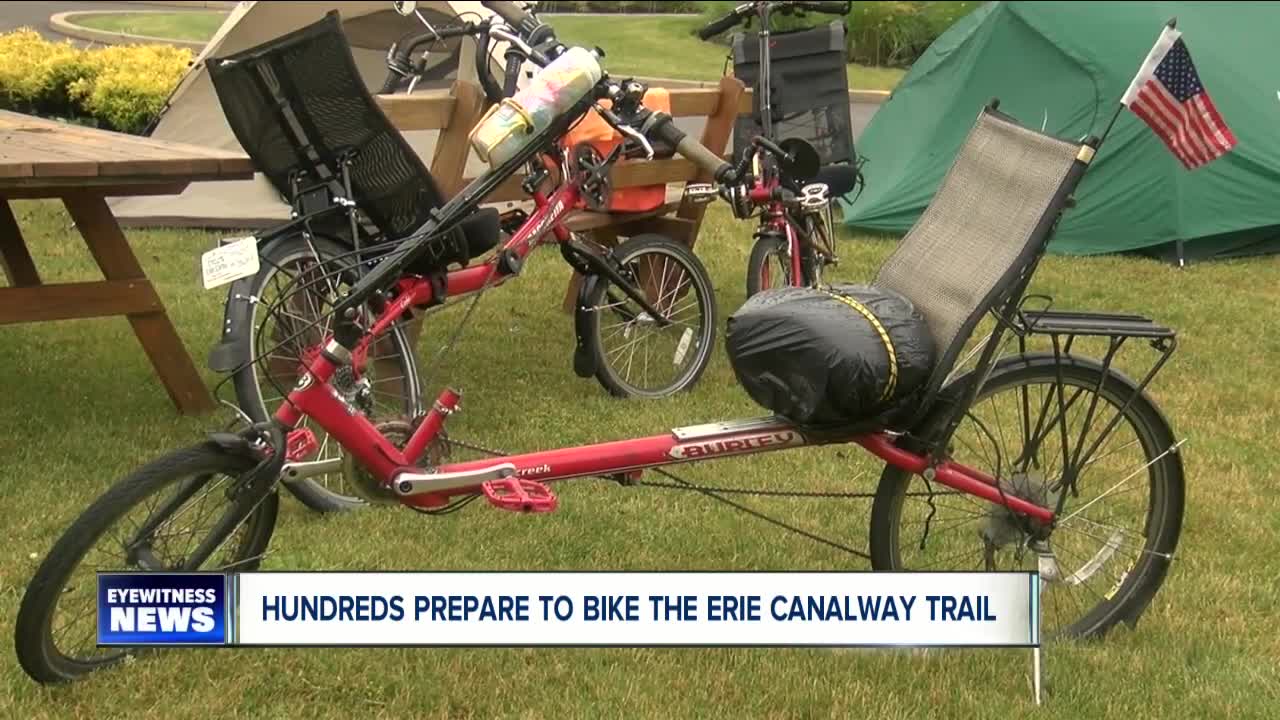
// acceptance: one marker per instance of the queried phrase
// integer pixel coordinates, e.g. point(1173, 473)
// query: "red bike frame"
point(313, 397)
point(762, 193)
point(548, 217)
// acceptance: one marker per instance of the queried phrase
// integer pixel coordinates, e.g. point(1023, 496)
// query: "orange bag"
point(593, 129)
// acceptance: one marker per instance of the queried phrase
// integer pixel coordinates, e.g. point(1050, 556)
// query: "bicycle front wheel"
point(1110, 547)
point(176, 514)
point(769, 266)
point(638, 355)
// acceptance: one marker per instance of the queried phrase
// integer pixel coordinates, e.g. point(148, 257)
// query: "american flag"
point(1168, 96)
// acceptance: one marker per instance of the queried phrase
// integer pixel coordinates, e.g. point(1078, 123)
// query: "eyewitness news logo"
point(146, 609)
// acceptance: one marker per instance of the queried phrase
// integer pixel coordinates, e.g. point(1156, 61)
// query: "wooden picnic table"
point(83, 167)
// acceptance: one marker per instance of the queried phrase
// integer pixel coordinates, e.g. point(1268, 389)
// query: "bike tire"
point(650, 249)
point(1132, 590)
point(277, 257)
point(770, 256)
point(34, 641)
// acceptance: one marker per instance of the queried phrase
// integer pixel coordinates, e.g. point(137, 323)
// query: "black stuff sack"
point(844, 354)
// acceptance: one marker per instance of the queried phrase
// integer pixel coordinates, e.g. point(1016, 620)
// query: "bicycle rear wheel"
point(1113, 542)
point(173, 514)
point(306, 271)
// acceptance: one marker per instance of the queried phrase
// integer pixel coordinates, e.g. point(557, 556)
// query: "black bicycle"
point(787, 187)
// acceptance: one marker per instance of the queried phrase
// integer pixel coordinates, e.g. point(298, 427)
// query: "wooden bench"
point(456, 111)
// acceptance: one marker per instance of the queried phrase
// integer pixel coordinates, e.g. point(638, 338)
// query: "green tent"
point(1063, 67)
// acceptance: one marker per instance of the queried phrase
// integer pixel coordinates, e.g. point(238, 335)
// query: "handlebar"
point(513, 15)
point(715, 27)
point(745, 10)
point(405, 47)
point(827, 8)
point(399, 64)
point(527, 37)
point(511, 80)
point(660, 126)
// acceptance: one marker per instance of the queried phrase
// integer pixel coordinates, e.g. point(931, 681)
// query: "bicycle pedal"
point(519, 495)
point(300, 444)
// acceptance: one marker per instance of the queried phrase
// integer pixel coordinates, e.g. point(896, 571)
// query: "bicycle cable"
point(717, 493)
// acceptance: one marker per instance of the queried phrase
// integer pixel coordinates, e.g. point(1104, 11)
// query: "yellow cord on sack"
point(884, 338)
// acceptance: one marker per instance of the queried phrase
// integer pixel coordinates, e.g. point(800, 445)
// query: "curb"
point(861, 97)
point(195, 5)
point(63, 24)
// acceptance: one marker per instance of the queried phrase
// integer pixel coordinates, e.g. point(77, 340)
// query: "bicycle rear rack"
point(1063, 329)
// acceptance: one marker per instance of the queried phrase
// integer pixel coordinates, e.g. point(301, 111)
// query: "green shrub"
point(122, 87)
point(35, 73)
point(891, 34)
point(130, 83)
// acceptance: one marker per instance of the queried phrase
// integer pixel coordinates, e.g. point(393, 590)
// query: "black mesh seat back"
point(979, 234)
point(298, 104)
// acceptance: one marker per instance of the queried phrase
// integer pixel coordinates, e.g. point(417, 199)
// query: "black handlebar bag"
point(810, 90)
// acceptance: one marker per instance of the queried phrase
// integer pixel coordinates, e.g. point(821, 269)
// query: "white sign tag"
point(236, 258)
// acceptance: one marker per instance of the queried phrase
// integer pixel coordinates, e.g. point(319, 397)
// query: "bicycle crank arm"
point(293, 472)
point(408, 484)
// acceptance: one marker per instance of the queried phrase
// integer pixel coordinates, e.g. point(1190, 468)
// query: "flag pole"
point(1172, 25)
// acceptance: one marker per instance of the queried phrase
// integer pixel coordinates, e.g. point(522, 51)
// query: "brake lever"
point(627, 130)
point(506, 33)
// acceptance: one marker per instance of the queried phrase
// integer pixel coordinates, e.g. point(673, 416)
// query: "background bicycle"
point(365, 190)
point(790, 180)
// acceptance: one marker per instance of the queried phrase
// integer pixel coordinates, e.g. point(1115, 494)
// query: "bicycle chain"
point(686, 485)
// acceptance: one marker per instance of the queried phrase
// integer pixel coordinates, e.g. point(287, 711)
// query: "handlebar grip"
point(718, 26)
point(690, 149)
point(697, 153)
point(830, 8)
point(511, 14)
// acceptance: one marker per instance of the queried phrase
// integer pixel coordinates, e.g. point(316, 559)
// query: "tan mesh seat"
point(982, 230)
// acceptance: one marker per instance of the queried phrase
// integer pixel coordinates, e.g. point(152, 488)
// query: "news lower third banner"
point(596, 609)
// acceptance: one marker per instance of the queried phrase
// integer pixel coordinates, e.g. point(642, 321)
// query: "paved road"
point(35, 15)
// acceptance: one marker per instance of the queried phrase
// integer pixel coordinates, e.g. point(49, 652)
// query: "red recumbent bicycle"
point(645, 315)
point(1040, 459)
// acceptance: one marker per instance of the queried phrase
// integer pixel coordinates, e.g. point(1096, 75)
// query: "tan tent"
point(195, 117)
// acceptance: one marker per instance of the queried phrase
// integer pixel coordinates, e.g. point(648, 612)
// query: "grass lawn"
point(81, 407)
point(664, 47)
point(193, 26)
point(648, 46)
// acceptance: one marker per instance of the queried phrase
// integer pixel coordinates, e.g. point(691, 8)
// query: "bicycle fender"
point(232, 349)
point(584, 361)
point(260, 480)
point(236, 444)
